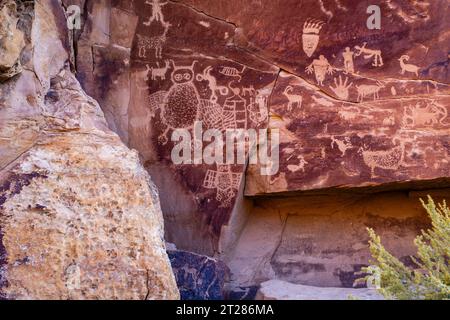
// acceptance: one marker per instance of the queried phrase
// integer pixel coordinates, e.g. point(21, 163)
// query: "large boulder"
point(199, 277)
point(79, 215)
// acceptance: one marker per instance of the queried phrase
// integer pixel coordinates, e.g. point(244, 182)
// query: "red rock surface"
point(375, 114)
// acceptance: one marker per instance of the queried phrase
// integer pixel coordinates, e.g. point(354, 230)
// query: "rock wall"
point(362, 116)
point(79, 215)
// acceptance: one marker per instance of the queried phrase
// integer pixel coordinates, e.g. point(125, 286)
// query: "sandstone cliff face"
point(79, 215)
point(359, 112)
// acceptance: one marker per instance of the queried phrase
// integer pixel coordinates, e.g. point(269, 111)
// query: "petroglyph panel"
point(329, 143)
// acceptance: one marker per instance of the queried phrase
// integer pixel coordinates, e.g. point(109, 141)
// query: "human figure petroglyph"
point(212, 84)
point(384, 159)
point(369, 89)
point(157, 14)
point(348, 61)
point(158, 72)
point(343, 145)
point(257, 109)
point(225, 182)
point(294, 99)
point(310, 36)
point(427, 115)
point(341, 89)
point(408, 67)
point(370, 53)
point(321, 67)
point(152, 43)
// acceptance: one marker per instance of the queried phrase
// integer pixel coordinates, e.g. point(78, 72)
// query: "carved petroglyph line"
point(387, 160)
point(212, 83)
point(370, 53)
point(349, 66)
point(300, 167)
point(341, 89)
point(343, 145)
point(257, 109)
point(225, 182)
point(408, 67)
point(310, 36)
point(158, 72)
point(157, 14)
point(151, 43)
point(369, 89)
point(232, 72)
point(235, 111)
point(294, 99)
point(428, 115)
point(321, 67)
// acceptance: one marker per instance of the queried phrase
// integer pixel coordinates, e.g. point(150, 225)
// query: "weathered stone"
point(79, 215)
point(11, 40)
point(280, 290)
point(198, 277)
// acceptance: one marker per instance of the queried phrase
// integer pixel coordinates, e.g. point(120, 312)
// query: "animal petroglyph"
point(348, 61)
point(427, 115)
point(343, 145)
point(369, 54)
point(157, 14)
point(408, 67)
point(310, 37)
point(300, 166)
point(369, 89)
point(294, 99)
point(212, 83)
point(232, 72)
point(225, 182)
point(158, 72)
point(321, 67)
point(341, 89)
point(384, 159)
point(180, 105)
point(152, 43)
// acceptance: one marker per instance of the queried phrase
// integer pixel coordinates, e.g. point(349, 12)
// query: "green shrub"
point(431, 279)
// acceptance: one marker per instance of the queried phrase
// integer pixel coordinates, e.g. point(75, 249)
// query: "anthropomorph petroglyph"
point(225, 182)
point(235, 111)
point(369, 54)
point(384, 159)
point(369, 89)
point(424, 115)
point(257, 109)
point(157, 14)
point(212, 83)
point(294, 99)
point(180, 107)
point(348, 60)
point(310, 37)
point(406, 67)
point(321, 67)
point(152, 43)
point(341, 89)
point(158, 72)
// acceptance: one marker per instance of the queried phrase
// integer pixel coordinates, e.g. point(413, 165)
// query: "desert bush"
point(431, 279)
